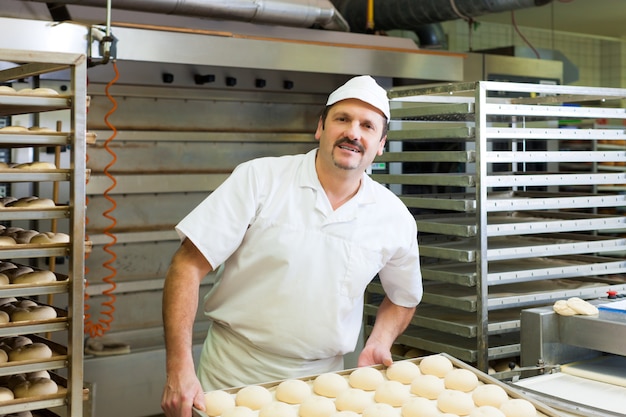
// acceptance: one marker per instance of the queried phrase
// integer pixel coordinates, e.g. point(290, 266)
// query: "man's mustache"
point(351, 142)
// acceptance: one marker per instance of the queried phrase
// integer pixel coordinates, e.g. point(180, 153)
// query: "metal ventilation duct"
point(409, 14)
point(298, 13)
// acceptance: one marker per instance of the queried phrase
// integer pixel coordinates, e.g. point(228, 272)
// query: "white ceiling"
point(591, 17)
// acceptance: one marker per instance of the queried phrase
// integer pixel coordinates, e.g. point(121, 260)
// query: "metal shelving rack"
point(18, 65)
point(480, 165)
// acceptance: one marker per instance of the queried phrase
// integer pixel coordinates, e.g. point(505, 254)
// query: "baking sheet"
point(542, 409)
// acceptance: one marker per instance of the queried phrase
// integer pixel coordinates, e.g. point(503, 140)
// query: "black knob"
point(203, 79)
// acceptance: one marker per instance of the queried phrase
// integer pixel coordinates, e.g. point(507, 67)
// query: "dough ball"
point(24, 236)
point(35, 277)
point(50, 237)
point(393, 393)
point(561, 308)
point(518, 407)
point(379, 410)
point(12, 342)
point(427, 386)
point(15, 272)
point(353, 399)
point(366, 378)
point(330, 384)
point(13, 380)
point(37, 374)
point(239, 411)
point(317, 407)
point(292, 391)
point(419, 407)
point(486, 411)
point(4, 279)
point(33, 203)
point(461, 380)
point(5, 89)
point(218, 401)
point(36, 165)
point(45, 91)
point(34, 313)
point(278, 409)
point(489, 394)
point(436, 365)
point(345, 413)
point(41, 129)
point(6, 394)
point(253, 396)
point(7, 265)
point(35, 388)
point(4, 356)
point(403, 371)
point(33, 351)
point(14, 129)
point(581, 306)
point(455, 402)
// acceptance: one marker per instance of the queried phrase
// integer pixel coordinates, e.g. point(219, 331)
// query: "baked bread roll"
point(34, 351)
point(4, 280)
point(41, 129)
point(24, 236)
point(35, 277)
point(13, 129)
point(7, 241)
point(6, 394)
point(50, 237)
point(4, 356)
point(7, 265)
point(13, 342)
point(32, 202)
point(5, 89)
point(33, 313)
point(35, 387)
point(37, 165)
point(4, 165)
point(16, 272)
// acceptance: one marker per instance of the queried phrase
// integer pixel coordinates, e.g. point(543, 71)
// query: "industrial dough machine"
point(579, 361)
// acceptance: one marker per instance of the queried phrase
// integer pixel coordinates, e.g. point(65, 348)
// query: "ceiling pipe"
point(297, 13)
point(408, 14)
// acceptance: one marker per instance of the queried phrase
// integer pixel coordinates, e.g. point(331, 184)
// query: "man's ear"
point(320, 128)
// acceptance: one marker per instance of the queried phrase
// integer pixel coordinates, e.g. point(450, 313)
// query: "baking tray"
point(57, 361)
point(543, 410)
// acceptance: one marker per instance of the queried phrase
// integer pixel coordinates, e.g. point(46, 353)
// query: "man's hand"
point(374, 353)
point(180, 394)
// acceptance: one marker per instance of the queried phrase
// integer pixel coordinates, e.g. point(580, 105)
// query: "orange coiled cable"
point(103, 324)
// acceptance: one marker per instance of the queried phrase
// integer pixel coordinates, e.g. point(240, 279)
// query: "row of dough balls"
point(575, 306)
point(10, 236)
point(20, 311)
point(22, 348)
point(39, 91)
point(434, 388)
point(11, 273)
point(26, 202)
point(32, 384)
point(29, 166)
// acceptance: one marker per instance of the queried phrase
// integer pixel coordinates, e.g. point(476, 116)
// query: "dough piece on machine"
point(461, 380)
point(394, 393)
point(218, 401)
point(366, 378)
point(455, 402)
point(330, 384)
point(317, 407)
point(561, 308)
point(292, 391)
point(436, 365)
point(518, 407)
point(489, 394)
point(428, 386)
point(353, 399)
point(253, 396)
point(403, 371)
point(581, 306)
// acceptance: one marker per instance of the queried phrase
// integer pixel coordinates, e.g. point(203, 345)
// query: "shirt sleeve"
point(218, 224)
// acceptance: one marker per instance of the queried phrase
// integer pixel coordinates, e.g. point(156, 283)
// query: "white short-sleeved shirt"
point(295, 270)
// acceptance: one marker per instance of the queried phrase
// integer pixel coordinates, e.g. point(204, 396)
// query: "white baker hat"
point(363, 88)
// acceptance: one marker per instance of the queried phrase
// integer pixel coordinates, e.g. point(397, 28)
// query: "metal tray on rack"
point(57, 361)
point(12, 104)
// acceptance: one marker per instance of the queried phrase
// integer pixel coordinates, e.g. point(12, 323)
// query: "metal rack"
point(481, 166)
point(68, 326)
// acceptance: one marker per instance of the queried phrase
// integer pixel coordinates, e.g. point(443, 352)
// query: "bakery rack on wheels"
point(64, 334)
point(503, 225)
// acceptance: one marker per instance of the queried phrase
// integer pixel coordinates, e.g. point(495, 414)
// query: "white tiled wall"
point(601, 62)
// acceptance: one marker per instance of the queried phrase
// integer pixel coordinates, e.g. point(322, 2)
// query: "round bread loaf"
point(17, 271)
point(403, 371)
point(365, 378)
point(330, 384)
point(292, 391)
point(24, 236)
point(34, 351)
point(218, 401)
point(4, 356)
point(50, 237)
point(11, 342)
point(35, 277)
point(33, 313)
point(7, 241)
point(35, 387)
point(253, 396)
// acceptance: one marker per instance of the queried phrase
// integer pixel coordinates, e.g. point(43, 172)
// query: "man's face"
point(351, 136)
